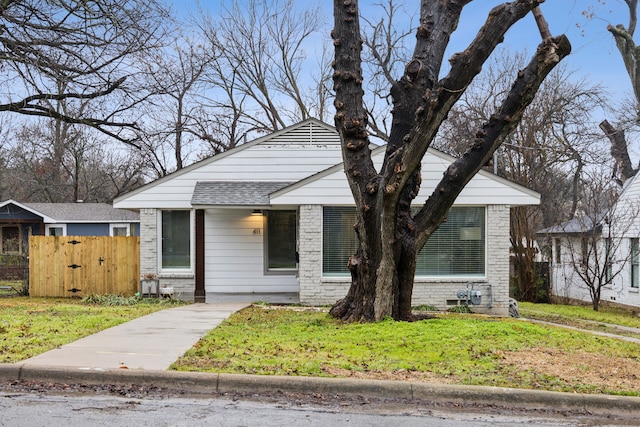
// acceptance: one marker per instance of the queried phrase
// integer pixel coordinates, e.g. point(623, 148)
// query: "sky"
point(594, 55)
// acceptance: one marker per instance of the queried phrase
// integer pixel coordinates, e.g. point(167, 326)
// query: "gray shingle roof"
point(244, 193)
point(583, 224)
point(84, 212)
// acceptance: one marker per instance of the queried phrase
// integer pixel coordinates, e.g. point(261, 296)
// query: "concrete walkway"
point(151, 342)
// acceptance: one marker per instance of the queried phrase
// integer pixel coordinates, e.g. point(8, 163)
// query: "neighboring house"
point(18, 221)
point(272, 220)
point(606, 242)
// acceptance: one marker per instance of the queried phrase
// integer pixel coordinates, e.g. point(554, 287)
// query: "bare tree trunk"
point(623, 169)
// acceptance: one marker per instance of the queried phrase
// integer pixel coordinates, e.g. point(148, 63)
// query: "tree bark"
point(390, 237)
point(622, 169)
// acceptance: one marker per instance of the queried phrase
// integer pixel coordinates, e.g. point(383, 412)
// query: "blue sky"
point(594, 55)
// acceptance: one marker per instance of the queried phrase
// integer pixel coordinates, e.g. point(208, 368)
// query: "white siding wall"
point(314, 289)
point(566, 283)
point(234, 251)
point(290, 155)
point(332, 188)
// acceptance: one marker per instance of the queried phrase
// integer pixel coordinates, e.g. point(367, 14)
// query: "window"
point(635, 263)
point(585, 252)
point(339, 240)
point(176, 239)
point(10, 239)
point(281, 240)
point(119, 230)
point(558, 251)
point(56, 230)
point(456, 249)
point(608, 253)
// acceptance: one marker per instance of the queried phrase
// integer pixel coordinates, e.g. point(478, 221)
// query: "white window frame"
point(177, 271)
point(634, 269)
point(267, 233)
point(48, 227)
point(119, 225)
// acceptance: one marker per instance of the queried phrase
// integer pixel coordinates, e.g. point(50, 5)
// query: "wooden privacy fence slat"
point(66, 266)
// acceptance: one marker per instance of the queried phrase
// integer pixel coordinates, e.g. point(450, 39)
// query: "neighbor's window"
point(608, 253)
point(10, 239)
point(281, 240)
point(176, 239)
point(55, 231)
point(456, 249)
point(558, 251)
point(119, 230)
point(585, 252)
point(635, 263)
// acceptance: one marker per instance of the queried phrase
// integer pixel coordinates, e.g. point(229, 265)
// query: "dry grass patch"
point(600, 372)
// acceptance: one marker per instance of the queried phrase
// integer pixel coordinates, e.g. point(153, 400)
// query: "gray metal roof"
point(243, 193)
point(83, 212)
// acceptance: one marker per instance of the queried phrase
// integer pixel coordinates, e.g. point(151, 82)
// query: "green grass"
point(462, 349)
point(30, 326)
point(449, 348)
point(606, 314)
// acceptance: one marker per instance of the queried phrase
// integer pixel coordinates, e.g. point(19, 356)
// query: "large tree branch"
point(633, 15)
point(543, 27)
point(491, 135)
point(437, 102)
point(33, 106)
point(630, 55)
point(622, 169)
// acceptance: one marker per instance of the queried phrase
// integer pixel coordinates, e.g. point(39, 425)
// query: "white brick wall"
point(315, 290)
point(148, 242)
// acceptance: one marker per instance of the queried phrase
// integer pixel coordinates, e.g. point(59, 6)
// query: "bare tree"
point(259, 49)
point(630, 54)
point(90, 46)
point(383, 268)
point(175, 115)
point(596, 250)
point(55, 161)
point(385, 54)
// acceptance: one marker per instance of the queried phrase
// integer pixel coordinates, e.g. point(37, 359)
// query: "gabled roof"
point(227, 153)
point(581, 224)
point(77, 212)
point(243, 193)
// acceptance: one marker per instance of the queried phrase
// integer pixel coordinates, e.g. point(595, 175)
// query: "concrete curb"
point(199, 383)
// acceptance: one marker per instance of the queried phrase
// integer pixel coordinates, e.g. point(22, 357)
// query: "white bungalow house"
point(271, 220)
point(607, 243)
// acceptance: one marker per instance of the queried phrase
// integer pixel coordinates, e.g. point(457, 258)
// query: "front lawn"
point(455, 349)
point(30, 326)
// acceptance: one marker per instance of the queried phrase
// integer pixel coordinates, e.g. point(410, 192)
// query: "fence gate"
point(66, 266)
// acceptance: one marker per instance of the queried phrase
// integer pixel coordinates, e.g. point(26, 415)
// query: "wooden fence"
point(66, 266)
